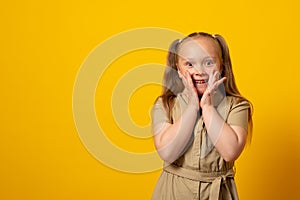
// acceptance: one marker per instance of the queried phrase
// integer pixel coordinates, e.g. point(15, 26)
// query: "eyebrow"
point(192, 59)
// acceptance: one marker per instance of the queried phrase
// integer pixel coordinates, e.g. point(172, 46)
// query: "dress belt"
point(215, 178)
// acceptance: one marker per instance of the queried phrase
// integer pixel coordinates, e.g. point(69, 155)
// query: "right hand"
point(191, 91)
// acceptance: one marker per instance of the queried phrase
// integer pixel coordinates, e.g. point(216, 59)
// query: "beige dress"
point(200, 173)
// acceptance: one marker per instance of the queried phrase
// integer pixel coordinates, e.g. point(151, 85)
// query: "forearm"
point(226, 140)
point(171, 142)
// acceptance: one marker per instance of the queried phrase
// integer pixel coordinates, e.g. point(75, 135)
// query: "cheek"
point(218, 67)
point(211, 70)
point(192, 70)
point(182, 69)
point(185, 69)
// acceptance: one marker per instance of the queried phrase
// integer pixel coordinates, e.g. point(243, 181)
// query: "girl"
point(200, 122)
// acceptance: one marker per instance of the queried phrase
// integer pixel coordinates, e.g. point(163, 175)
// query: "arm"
point(228, 140)
point(171, 139)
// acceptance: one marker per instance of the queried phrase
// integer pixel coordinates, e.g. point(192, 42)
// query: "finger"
point(221, 81)
point(213, 78)
point(217, 84)
point(205, 98)
point(189, 79)
point(216, 76)
point(210, 79)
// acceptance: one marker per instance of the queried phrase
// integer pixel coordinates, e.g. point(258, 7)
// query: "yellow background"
point(43, 45)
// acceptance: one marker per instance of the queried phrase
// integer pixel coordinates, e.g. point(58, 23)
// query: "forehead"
point(198, 48)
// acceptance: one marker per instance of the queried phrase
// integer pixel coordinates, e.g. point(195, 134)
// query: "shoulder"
point(236, 102)
point(159, 113)
point(158, 105)
point(176, 99)
point(158, 101)
point(238, 114)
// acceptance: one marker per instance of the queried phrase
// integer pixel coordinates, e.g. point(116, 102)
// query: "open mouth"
point(203, 81)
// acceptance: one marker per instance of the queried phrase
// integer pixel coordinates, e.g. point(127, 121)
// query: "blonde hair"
point(172, 84)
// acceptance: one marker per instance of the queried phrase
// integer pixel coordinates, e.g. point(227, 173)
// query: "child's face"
point(201, 58)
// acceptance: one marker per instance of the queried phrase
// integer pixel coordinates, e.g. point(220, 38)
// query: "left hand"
point(213, 84)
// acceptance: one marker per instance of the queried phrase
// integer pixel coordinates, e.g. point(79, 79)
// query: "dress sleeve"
point(238, 115)
point(159, 115)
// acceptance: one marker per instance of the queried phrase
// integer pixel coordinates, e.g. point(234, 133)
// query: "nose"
point(198, 70)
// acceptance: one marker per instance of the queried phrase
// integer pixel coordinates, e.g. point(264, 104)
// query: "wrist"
point(193, 108)
point(207, 110)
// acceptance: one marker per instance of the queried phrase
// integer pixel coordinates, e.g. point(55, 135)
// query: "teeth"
point(200, 82)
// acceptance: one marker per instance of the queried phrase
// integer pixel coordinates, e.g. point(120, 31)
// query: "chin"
point(200, 91)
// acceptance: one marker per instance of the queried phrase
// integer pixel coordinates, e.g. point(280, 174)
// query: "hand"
point(213, 83)
point(191, 90)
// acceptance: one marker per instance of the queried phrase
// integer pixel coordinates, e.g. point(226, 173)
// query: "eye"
point(189, 64)
point(209, 62)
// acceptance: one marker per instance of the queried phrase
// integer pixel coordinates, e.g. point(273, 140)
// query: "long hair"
point(172, 83)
